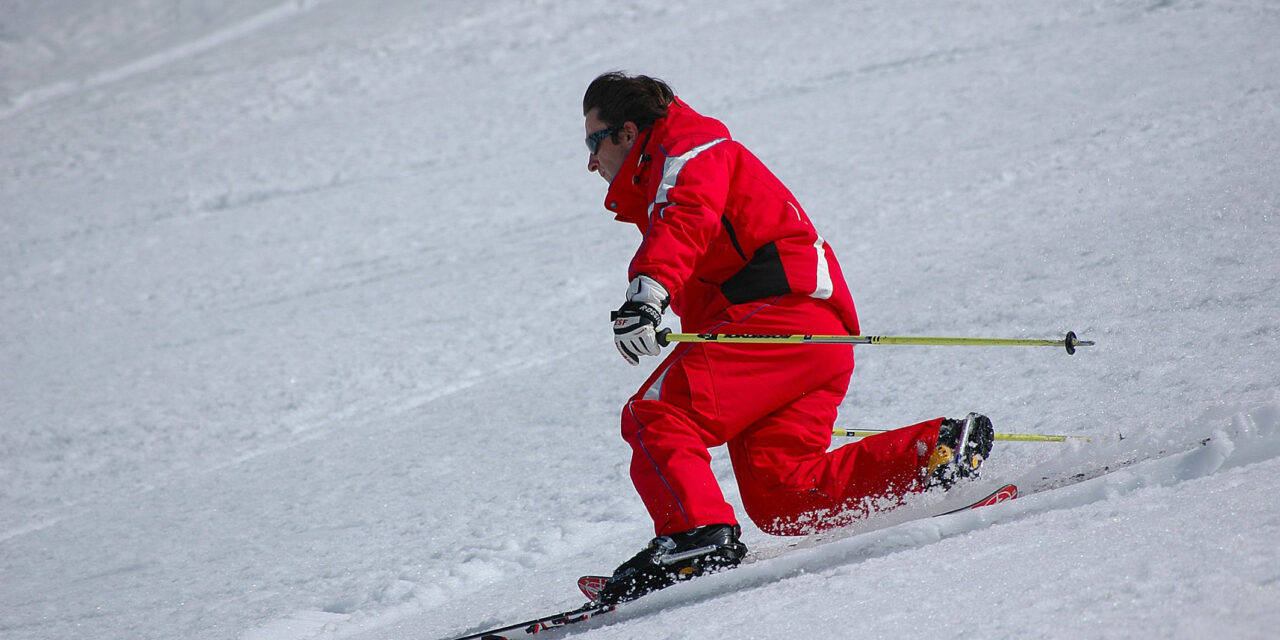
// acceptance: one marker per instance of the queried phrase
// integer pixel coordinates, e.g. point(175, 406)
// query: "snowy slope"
point(303, 310)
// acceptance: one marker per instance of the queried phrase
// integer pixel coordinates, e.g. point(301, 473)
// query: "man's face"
point(608, 158)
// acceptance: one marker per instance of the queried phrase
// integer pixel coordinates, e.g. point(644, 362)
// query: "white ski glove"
point(635, 323)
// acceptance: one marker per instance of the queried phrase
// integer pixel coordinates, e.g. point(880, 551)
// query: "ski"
point(537, 625)
point(1049, 483)
point(591, 586)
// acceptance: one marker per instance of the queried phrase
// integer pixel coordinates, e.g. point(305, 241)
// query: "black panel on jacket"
point(762, 277)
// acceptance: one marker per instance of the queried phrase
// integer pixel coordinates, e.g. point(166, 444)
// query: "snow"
point(303, 311)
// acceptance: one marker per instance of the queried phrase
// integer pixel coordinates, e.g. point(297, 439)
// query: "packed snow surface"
point(304, 311)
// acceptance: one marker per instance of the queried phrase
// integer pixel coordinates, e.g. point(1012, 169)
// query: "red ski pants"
point(774, 405)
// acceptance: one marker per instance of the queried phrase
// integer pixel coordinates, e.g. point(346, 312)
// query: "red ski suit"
point(738, 255)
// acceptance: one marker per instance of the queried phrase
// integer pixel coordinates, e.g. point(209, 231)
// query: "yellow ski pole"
point(1007, 437)
point(1070, 342)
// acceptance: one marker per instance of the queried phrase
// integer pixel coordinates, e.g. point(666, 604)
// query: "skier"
point(729, 249)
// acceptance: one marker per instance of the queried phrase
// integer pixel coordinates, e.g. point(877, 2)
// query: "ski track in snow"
point(303, 302)
point(29, 98)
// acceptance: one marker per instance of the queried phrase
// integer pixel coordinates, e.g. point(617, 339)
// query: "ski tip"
point(591, 586)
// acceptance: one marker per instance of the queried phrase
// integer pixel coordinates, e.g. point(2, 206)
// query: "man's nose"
point(592, 164)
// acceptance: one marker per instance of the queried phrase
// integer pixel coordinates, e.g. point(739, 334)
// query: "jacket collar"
point(627, 197)
point(679, 131)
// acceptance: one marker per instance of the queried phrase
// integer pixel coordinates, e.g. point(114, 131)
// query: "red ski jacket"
point(719, 228)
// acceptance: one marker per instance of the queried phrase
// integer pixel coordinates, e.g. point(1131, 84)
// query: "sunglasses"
point(594, 139)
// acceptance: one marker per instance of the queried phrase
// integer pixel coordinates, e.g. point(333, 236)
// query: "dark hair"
point(622, 98)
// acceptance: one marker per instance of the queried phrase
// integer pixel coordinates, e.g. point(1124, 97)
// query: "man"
point(729, 249)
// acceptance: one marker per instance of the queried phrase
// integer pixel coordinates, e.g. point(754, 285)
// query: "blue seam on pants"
point(640, 441)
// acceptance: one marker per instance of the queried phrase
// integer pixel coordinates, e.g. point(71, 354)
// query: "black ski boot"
point(670, 559)
point(962, 446)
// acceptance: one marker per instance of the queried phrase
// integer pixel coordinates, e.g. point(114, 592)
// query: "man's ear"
point(630, 132)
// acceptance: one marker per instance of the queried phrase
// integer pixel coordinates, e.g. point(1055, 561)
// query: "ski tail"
point(1003, 494)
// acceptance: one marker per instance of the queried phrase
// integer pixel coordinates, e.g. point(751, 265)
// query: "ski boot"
point(962, 446)
point(671, 559)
